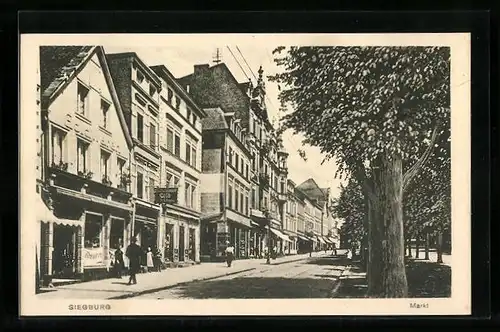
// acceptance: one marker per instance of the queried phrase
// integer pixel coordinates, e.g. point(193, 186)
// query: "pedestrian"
point(149, 260)
point(229, 254)
point(118, 263)
point(134, 254)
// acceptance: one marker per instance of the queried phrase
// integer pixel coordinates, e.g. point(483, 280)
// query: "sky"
point(243, 60)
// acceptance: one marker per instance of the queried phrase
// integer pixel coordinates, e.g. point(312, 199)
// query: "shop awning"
point(328, 240)
point(212, 218)
point(280, 235)
point(320, 239)
point(44, 214)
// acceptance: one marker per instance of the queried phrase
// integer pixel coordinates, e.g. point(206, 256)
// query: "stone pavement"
point(151, 282)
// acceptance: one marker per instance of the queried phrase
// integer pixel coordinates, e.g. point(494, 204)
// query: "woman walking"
point(149, 260)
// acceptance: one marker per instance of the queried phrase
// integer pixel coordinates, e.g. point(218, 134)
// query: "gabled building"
point(180, 185)
point(138, 89)
point(85, 209)
point(216, 88)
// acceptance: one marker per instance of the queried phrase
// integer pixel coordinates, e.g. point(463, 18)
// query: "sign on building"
point(166, 195)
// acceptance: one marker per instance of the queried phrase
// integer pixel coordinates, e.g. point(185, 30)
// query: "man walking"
point(134, 254)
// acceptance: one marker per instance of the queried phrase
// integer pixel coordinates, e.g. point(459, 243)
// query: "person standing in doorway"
point(118, 262)
point(229, 254)
point(149, 260)
point(134, 254)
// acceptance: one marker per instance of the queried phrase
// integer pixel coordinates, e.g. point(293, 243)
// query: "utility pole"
point(217, 58)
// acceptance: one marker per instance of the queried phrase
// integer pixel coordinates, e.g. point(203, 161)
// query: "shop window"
point(116, 233)
point(93, 231)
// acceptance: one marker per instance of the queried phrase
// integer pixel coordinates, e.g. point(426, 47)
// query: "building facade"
point(138, 89)
point(226, 186)
point(85, 207)
point(181, 156)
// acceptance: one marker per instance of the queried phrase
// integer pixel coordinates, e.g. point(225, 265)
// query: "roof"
point(132, 55)
point(59, 65)
point(214, 120)
point(311, 189)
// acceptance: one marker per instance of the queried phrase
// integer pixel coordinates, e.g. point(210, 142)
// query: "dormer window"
point(152, 90)
point(140, 77)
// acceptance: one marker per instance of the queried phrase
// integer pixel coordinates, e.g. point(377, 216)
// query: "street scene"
point(243, 172)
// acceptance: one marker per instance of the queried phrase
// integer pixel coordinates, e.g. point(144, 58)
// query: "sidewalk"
point(114, 288)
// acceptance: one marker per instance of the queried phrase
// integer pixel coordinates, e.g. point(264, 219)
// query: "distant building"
point(84, 207)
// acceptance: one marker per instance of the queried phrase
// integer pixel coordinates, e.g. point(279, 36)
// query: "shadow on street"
point(425, 280)
point(258, 288)
point(330, 260)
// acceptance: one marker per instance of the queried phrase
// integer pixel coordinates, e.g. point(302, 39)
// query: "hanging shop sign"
point(166, 195)
point(93, 257)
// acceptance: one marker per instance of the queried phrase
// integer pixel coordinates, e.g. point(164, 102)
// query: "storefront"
point(304, 244)
point(146, 226)
point(180, 235)
point(291, 246)
point(79, 243)
point(281, 240)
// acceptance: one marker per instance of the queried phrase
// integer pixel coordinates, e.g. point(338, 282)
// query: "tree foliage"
point(356, 103)
point(350, 207)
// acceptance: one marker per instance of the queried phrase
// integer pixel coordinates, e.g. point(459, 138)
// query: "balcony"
point(83, 183)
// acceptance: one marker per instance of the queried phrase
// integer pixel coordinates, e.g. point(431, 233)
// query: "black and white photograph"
point(255, 170)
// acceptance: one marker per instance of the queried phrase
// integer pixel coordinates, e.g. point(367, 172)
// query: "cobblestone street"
point(309, 278)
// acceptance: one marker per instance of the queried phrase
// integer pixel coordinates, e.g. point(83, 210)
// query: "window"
point(191, 151)
point(170, 95)
point(58, 145)
point(151, 189)
point(140, 128)
point(177, 102)
point(246, 171)
point(188, 114)
point(190, 195)
point(104, 113)
point(236, 162)
point(246, 203)
point(81, 158)
point(265, 203)
point(254, 198)
point(105, 165)
point(140, 77)
point(140, 185)
point(236, 196)
point(230, 156)
point(120, 163)
point(152, 90)
point(194, 119)
point(172, 181)
point(242, 201)
point(83, 100)
point(93, 231)
point(152, 135)
point(173, 140)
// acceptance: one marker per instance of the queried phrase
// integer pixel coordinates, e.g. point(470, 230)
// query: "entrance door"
point(169, 247)
point(192, 244)
point(63, 258)
point(181, 243)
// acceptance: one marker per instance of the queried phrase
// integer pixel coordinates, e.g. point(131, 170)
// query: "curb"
point(159, 289)
point(335, 289)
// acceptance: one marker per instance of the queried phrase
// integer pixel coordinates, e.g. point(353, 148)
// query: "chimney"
point(201, 68)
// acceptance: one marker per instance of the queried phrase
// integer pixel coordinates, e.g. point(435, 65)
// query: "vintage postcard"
point(239, 174)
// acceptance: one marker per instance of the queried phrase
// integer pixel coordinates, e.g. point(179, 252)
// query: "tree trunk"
point(389, 232)
point(439, 247)
point(427, 241)
point(417, 246)
point(374, 270)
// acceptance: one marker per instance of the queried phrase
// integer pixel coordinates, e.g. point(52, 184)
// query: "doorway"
point(181, 243)
point(169, 246)
point(192, 245)
point(64, 254)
